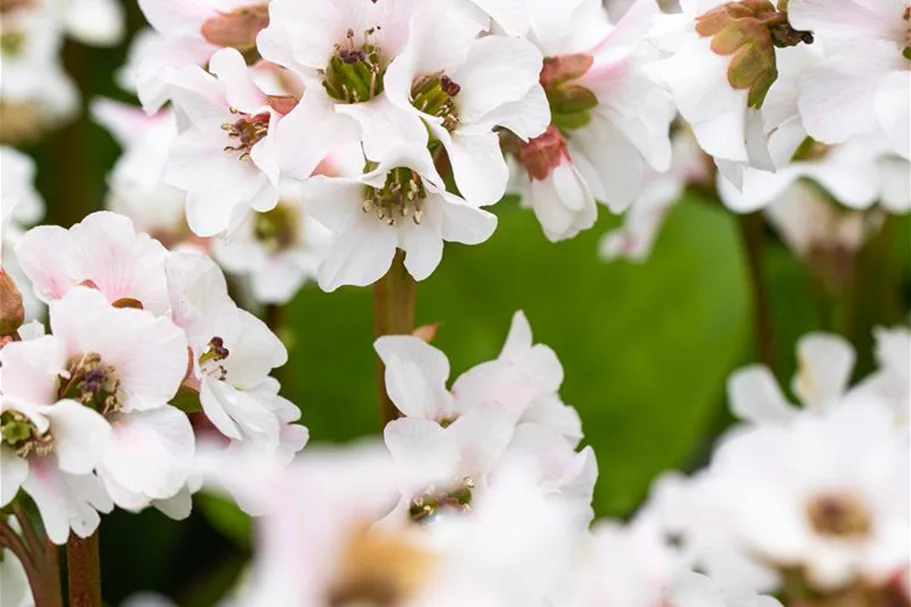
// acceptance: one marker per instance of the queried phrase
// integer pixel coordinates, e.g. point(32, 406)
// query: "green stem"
point(83, 564)
point(752, 232)
point(393, 314)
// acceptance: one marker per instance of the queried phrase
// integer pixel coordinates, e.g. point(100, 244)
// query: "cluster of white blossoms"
point(36, 93)
point(98, 412)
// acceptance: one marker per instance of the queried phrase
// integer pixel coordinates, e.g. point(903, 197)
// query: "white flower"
point(233, 354)
point(279, 250)
point(463, 91)
point(50, 446)
point(690, 589)
point(226, 160)
point(642, 222)
point(892, 380)
point(401, 204)
point(625, 564)
point(340, 50)
point(95, 22)
point(827, 494)
point(825, 363)
point(501, 414)
point(103, 252)
point(609, 120)
point(189, 32)
point(862, 85)
point(136, 185)
point(127, 364)
point(848, 172)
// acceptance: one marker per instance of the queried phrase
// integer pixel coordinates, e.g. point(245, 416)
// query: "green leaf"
point(646, 348)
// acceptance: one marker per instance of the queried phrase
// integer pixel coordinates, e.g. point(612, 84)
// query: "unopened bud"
point(749, 31)
point(12, 314)
point(427, 332)
point(564, 68)
point(237, 29)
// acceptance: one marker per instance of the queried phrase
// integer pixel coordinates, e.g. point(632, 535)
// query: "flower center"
point(435, 95)
point(277, 229)
point(401, 196)
point(92, 383)
point(378, 569)
point(424, 507)
point(355, 72)
point(840, 516)
point(247, 131)
point(543, 154)
point(210, 360)
point(19, 433)
point(12, 43)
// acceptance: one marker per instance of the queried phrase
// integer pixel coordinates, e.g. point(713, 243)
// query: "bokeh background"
point(646, 347)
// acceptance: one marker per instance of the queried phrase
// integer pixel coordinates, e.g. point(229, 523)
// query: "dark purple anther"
point(449, 87)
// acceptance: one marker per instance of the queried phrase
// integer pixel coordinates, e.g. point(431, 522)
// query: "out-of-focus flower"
point(136, 186)
point(827, 495)
point(279, 250)
point(35, 94)
point(94, 22)
point(861, 87)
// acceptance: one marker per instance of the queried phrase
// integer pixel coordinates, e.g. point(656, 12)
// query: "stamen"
point(247, 130)
point(402, 196)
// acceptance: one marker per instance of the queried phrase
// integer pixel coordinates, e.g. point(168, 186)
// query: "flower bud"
point(238, 28)
point(12, 314)
point(749, 31)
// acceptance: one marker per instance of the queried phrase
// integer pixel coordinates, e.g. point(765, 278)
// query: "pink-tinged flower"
point(609, 121)
point(523, 381)
point(127, 364)
point(861, 87)
point(553, 186)
point(136, 186)
point(510, 15)
point(642, 222)
point(465, 89)
point(190, 32)
point(50, 446)
point(103, 252)
point(226, 159)
point(233, 354)
point(277, 251)
point(401, 204)
point(341, 51)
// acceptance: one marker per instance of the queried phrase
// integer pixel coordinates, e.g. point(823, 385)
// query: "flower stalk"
point(752, 230)
point(393, 314)
point(39, 562)
point(84, 571)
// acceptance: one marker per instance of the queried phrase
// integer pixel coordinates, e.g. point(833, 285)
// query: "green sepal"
point(187, 400)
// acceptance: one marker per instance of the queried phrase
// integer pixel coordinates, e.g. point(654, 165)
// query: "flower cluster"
point(142, 341)
point(36, 93)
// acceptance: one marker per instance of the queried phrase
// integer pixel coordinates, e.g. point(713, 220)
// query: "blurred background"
point(646, 347)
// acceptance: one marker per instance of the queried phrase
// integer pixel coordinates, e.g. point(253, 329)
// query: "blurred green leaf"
point(646, 347)
point(225, 517)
